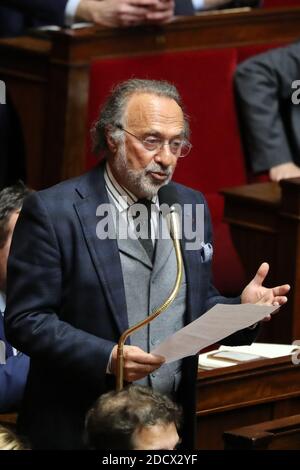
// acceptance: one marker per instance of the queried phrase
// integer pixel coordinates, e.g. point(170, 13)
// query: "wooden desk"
point(8, 419)
point(264, 220)
point(48, 77)
point(242, 395)
point(278, 434)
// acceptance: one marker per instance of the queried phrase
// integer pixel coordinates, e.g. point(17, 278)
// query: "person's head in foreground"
point(135, 418)
point(9, 440)
point(11, 201)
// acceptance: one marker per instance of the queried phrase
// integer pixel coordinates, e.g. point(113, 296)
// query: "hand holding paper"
point(216, 324)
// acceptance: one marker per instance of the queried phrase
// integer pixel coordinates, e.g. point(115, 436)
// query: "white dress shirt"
point(198, 4)
point(124, 199)
point(2, 302)
point(70, 11)
point(2, 308)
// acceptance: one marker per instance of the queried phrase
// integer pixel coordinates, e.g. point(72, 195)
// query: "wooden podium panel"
point(278, 434)
point(264, 221)
point(8, 419)
point(242, 395)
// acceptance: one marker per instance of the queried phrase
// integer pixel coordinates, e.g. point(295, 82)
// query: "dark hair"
point(9, 440)
point(112, 113)
point(111, 422)
point(11, 200)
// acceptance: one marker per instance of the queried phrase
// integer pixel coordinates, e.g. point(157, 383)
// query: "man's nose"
point(165, 156)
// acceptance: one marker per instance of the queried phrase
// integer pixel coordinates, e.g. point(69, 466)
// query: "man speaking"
point(73, 291)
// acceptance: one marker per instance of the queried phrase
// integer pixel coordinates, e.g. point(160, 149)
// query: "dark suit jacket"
point(12, 153)
point(270, 122)
point(66, 307)
point(13, 376)
point(18, 15)
point(184, 7)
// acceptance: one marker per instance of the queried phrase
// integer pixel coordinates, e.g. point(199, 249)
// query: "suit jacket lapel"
point(192, 267)
point(192, 273)
point(131, 246)
point(104, 252)
point(164, 246)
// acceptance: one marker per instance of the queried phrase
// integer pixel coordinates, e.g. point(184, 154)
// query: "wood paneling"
point(264, 221)
point(242, 395)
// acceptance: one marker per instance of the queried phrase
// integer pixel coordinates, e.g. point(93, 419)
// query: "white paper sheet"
point(264, 350)
point(267, 350)
point(216, 324)
point(207, 363)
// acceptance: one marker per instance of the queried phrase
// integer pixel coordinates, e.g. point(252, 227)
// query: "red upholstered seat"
point(245, 52)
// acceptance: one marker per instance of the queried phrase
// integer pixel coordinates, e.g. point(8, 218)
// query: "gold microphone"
point(166, 194)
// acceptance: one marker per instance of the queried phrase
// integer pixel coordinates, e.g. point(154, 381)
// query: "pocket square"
point(206, 252)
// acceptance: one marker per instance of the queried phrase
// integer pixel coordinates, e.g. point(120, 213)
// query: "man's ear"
point(111, 143)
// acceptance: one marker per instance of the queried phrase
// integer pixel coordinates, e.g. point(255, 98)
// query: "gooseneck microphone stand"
point(174, 231)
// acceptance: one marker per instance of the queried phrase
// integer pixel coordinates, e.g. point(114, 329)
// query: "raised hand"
point(256, 293)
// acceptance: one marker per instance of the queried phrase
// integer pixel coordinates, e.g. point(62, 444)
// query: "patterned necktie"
point(142, 221)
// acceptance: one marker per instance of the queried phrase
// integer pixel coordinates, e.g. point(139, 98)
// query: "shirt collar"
point(123, 198)
point(2, 301)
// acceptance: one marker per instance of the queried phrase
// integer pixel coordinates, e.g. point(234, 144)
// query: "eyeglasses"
point(179, 147)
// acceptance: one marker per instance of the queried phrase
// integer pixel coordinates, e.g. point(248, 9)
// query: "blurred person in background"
point(269, 111)
point(13, 374)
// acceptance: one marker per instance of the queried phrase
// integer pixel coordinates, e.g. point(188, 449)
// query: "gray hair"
point(113, 110)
